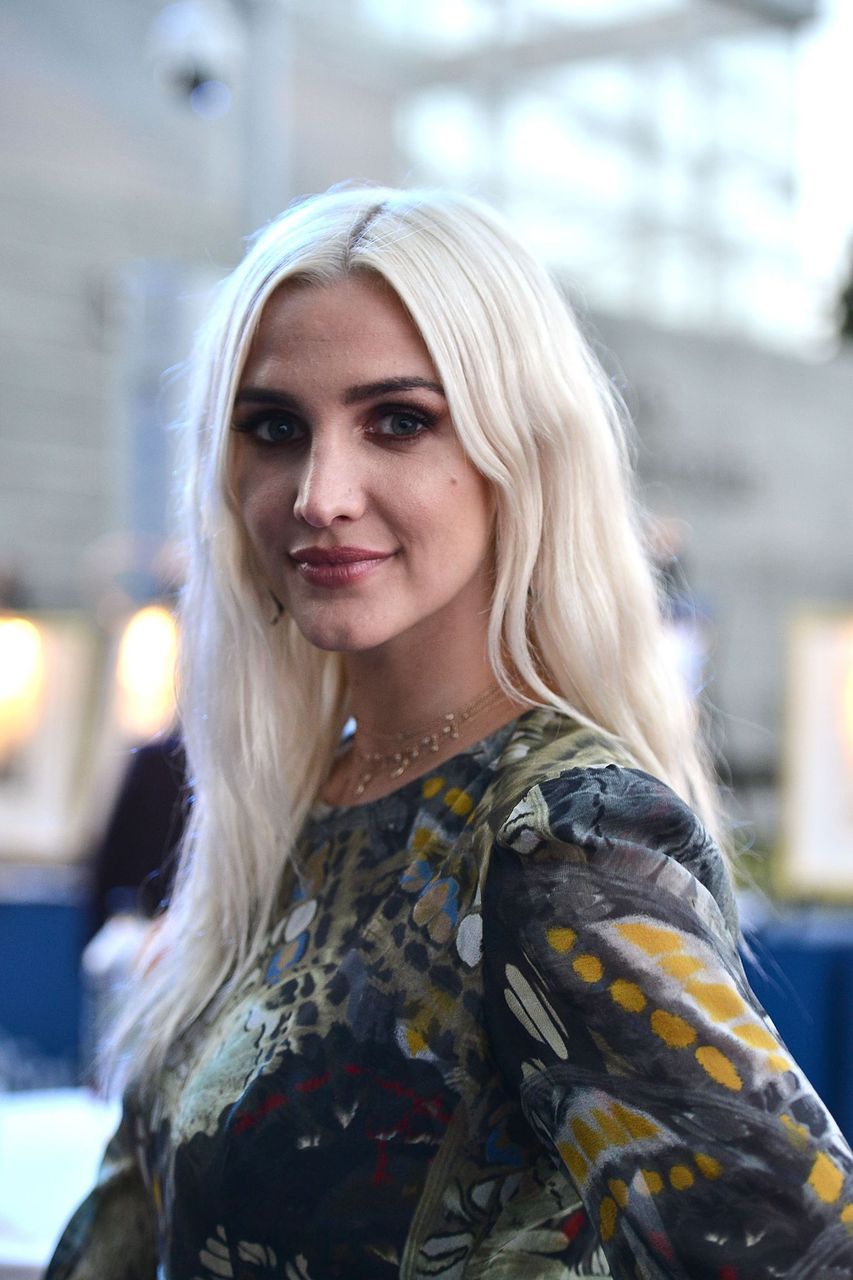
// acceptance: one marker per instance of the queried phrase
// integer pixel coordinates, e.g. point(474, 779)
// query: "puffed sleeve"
point(112, 1236)
point(619, 1013)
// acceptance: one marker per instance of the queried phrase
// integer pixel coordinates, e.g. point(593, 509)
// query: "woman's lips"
point(338, 566)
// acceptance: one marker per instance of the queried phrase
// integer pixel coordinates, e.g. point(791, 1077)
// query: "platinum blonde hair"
point(575, 619)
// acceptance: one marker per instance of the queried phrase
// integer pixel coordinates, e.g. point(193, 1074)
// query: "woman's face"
point(365, 516)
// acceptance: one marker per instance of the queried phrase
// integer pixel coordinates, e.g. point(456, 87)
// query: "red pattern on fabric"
point(573, 1224)
point(380, 1176)
point(661, 1242)
point(249, 1119)
point(432, 1107)
point(316, 1082)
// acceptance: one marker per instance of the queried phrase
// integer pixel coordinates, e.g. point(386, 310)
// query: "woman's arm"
point(112, 1236)
point(618, 1009)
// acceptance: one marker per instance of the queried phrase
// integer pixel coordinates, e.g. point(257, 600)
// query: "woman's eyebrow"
point(367, 390)
point(265, 395)
point(353, 395)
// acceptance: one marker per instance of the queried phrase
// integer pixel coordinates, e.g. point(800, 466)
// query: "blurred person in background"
point(457, 993)
point(133, 860)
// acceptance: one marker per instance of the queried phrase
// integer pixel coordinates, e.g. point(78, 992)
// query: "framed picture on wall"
point(816, 853)
point(49, 687)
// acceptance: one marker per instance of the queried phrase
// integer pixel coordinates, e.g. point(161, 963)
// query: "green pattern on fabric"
point(466, 1052)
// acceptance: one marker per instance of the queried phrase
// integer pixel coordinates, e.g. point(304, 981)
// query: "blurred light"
point(847, 699)
point(146, 673)
point(605, 12)
point(211, 99)
point(444, 26)
point(21, 682)
point(449, 123)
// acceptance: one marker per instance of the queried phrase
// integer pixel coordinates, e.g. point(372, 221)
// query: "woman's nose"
point(330, 486)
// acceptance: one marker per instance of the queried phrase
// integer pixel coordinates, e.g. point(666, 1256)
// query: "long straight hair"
point(575, 621)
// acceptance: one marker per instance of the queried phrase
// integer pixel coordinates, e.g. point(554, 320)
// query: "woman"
point(456, 995)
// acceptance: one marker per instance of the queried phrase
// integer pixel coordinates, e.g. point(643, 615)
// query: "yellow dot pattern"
point(719, 1000)
point(574, 1161)
point(673, 1030)
point(589, 968)
point(628, 995)
point(415, 1033)
point(716, 998)
point(648, 1182)
point(708, 1167)
point(681, 1177)
point(651, 938)
point(459, 802)
point(602, 1130)
point(719, 1067)
point(561, 940)
point(619, 1191)
point(607, 1215)
point(415, 1041)
point(432, 786)
point(636, 1124)
point(753, 1034)
point(681, 966)
point(588, 1139)
point(826, 1178)
point(609, 1125)
point(606, 1128)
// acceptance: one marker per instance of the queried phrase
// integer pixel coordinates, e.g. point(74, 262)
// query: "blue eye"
point(401, 424)
point(273, 429)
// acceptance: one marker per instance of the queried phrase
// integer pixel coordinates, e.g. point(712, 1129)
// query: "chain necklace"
point(408, 747)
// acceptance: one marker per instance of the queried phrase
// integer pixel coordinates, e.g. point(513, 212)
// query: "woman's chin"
point(342, 638)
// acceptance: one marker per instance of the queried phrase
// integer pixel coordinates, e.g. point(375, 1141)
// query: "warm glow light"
point(146, 673)
point(21, 681)
point(847, 700)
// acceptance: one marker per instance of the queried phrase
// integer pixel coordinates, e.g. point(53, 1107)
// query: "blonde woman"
point(455, 994)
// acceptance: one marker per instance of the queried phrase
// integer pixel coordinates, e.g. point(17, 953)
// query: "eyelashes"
point(271, 428)
point(397, 424)
point(405, 424)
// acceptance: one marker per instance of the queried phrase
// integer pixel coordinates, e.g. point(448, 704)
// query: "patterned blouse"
point(500, 1030)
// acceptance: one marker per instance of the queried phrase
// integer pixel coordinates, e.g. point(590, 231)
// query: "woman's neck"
point(392, 700)
point(410, 717)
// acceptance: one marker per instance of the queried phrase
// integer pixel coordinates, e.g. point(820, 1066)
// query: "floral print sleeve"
point(618, 1011)
point(112, 1235)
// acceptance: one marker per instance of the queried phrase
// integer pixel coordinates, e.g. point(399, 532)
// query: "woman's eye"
point(282, 429)
point(401, 424)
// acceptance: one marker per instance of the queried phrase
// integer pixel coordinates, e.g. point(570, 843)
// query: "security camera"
point(196, 43)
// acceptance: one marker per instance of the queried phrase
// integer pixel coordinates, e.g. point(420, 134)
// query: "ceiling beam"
point(367, 54)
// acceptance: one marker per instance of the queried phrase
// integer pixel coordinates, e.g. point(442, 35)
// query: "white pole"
point(267, 112)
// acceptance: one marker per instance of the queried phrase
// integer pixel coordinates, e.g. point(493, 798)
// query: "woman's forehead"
point(357, 317)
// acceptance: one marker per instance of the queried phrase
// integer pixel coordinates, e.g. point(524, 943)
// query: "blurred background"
point(684, 167)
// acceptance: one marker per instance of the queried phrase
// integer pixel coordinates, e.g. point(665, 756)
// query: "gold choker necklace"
point(407, 747)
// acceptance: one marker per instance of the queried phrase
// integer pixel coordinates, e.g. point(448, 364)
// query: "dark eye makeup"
point(271, 427)
point(400, 423)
